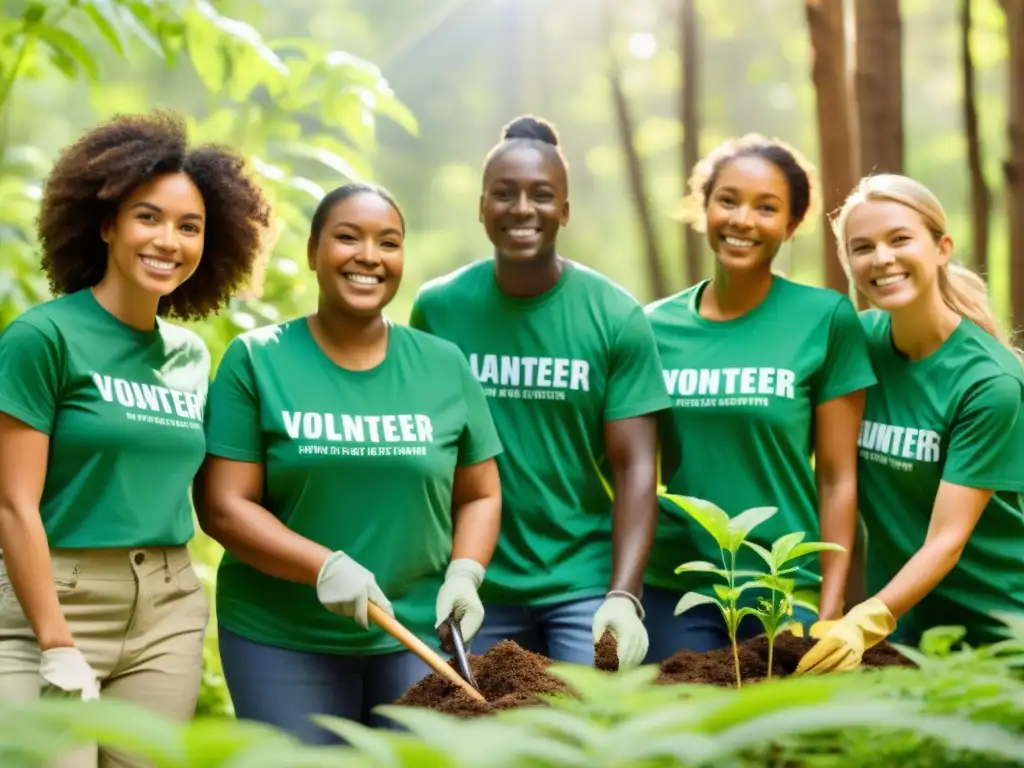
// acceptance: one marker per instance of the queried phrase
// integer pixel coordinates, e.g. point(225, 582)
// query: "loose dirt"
point(510, 676)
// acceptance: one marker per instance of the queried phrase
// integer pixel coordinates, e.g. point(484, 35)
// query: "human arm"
point(476, 514)
point(979, 457)
point(23, 461)
point(837, 424)
point(30, 370)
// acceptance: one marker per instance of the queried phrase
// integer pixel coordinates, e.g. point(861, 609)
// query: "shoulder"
point(600, 285)
point(428, 346)
point(813, 297)
point(465, 279)
point(981, 362)
point(674, 306)
point(48, 317)
point(179, 339)
point(263, 343)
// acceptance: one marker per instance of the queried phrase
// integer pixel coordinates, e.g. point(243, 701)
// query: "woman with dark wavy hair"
point(101, 417)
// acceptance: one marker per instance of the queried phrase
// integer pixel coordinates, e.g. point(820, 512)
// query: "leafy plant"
point(730, 534)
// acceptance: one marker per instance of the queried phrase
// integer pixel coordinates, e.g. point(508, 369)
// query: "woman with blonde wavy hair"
point(941, 466)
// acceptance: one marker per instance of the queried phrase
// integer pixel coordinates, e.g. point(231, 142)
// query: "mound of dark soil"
point(510, 676)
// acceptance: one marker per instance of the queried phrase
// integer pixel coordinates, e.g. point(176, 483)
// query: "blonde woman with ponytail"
point(941, 466)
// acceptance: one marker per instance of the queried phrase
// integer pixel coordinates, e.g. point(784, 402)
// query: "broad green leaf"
point(764, 553)
point(692, 600)
point(105, 18)
point(807, 598)
point(783, 546)
point(242, 32)
point(726, 593)
point(149, 37)
point(748, 520)
point(205, 51)
point(939, 641)
point(595, 684)
point(69, 49)
point(810, 547)
point(699, 566)
point(395, 110)
point(710, 517)
point(376, 744)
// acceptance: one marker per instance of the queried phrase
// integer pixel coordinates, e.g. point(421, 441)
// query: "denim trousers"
point(700, 629)
point(563, 631)
point(284, 688)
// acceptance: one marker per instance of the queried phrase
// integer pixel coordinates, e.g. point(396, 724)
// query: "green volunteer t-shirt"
point(956, 416)
point(359, 461)
point(555, 368)
point(741, 430)
point(124, 412)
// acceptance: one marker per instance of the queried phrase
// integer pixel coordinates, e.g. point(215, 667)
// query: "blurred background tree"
point(413, 94)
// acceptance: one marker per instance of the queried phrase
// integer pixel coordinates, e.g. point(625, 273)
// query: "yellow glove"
point(843, 642)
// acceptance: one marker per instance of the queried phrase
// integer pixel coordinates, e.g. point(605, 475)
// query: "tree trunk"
point(1013, 167)
point(637, 178)
point(828, 72)
point(879, 86)
point(689, 58)
point(981, 198)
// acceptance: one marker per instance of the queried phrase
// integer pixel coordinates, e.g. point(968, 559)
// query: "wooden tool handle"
point(421, 649)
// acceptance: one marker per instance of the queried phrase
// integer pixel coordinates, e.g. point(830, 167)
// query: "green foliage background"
point(414, 93)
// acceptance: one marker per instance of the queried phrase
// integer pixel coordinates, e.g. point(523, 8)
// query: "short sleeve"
point(418, 314)
point(847, 365)
point(30, 376)
point(636, 385)
point(479, 440)
point(986, 443)
point(233, 409)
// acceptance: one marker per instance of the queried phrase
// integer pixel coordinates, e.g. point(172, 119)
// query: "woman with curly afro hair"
point(101, 416)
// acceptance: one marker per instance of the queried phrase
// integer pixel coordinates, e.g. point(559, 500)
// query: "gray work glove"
point(344, 587)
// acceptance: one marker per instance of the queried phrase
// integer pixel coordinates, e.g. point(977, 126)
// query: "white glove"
point(67, 669)
point(458, 597)
point(344, 587)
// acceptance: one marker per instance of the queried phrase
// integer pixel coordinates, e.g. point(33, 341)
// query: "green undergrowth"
point(961, 707)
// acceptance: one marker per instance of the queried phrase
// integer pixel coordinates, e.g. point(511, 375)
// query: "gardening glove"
point(622, 615)
point(344, 587)
point(843, 642)
point(67, 670)
point(458, 597)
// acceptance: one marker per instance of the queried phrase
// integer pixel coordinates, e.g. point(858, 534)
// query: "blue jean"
point(283, 688)
point(563, 632)
point(700, 629)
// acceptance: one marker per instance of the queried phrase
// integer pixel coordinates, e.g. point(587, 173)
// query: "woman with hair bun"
point(569, 364)
point(941, 472)
point(101, 417)
point(764, 373)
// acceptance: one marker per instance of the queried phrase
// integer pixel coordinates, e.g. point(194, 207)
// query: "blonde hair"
point(800, 177)
point(963, 291)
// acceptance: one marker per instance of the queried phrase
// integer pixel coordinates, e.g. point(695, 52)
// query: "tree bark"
point(1013, 167)
point(689, 58)
point(828, 72)
point(637, 177)
point(981, 198)
point(878, 84)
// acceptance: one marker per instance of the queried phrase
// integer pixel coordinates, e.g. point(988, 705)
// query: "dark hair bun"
point(530, 127)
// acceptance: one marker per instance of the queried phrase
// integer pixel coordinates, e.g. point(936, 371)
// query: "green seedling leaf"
point(727, 594)
point(783, 546)
point(692, 600)
point(711, 518)
point(749, 519)
point(699, 566)
point(939, 641)
point(761, 551)
point(811, 547)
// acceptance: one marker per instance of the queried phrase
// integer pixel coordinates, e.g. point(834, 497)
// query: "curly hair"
point(92, 176)
point(799, 173)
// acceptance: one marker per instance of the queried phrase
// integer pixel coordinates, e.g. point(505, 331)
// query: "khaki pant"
point(137, 615)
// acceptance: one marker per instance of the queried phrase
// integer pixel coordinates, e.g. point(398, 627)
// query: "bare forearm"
point(477, 525)
point(257, 538)
point(635, 517)
point(838, 501)
point(27, 558)
point(921, 574)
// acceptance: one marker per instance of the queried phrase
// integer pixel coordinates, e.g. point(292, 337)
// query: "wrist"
point(47, 642)
point(622, 594)
point(464, 567)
